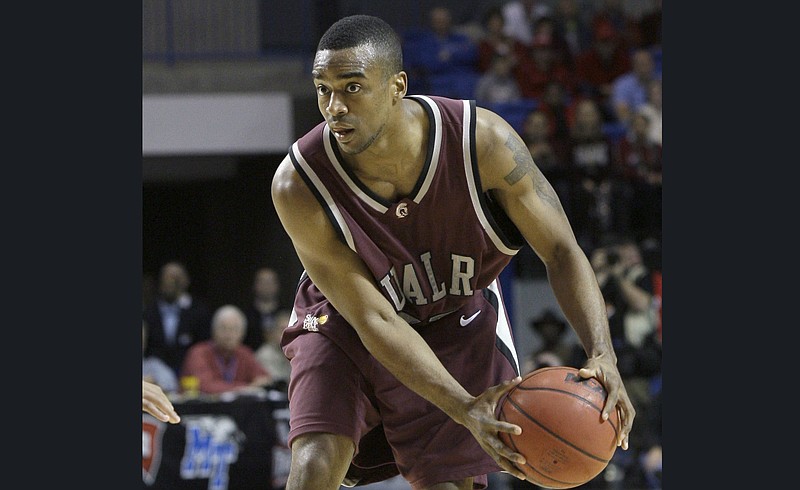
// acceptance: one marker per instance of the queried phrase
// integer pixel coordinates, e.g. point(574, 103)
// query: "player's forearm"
point(575, 287)
point(401, 350)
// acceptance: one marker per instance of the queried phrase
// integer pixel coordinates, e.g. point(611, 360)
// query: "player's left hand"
point(605, 370)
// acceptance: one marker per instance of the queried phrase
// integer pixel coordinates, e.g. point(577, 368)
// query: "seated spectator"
point(640, 159)
point(559, 107)
point(440, 60)
point(177, 319)
point(224, 363)
point(262, 311)
point(598, 66)
point(270, 354)
point(498, 84)
point(155, 370)
point(549, 154)
point(573, 25)
point(555, 348)
point(649, 27)
point(652, 110)
point(520, 17)
point(599, 197)
point(541, 67)
point(546, 27)
point(630, 90)
point(495, 42)
point(624, 23)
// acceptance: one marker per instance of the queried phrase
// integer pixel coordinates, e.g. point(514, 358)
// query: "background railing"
point(224, 30)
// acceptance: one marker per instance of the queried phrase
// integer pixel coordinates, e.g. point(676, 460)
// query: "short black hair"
point(358, 30)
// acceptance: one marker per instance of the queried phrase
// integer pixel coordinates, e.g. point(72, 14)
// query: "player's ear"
point(400, 85)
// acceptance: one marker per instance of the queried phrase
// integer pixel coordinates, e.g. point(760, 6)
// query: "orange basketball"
point(564, 440)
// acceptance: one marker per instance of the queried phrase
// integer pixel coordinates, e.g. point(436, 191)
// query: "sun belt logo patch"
point(310, 322)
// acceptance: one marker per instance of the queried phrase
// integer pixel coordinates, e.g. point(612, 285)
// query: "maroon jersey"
point(432, 250)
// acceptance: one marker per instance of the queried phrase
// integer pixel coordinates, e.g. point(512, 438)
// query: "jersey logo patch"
point(402, 210)
point(466, 321)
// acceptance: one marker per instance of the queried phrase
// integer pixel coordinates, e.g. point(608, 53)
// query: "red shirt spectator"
point(495, 42)
point(598, 66)
point(224, 363)
point(537, 70)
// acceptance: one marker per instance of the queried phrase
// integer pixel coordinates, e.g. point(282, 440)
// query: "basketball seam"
point(574, 395)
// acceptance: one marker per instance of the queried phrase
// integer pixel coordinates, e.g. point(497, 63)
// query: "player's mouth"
point(342, 134)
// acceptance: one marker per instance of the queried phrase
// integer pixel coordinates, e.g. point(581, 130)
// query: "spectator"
point(541, 67)
point(549, 154)
point(546, 28)
point(629, 91)
point(520, 17)
point(598, 195)
point(262, 312)
point(495, 41)
point(155, 370)
point(652, 110)
point(443, 60)
point(598, 66)
point(627, 286)
point(649, 27)
point(176, 320)
point(498, 85)
point(624, 24)
point(558, 105)
point(572, 25)
point(555, 348)
point(224, 363)
point(270, 354)
point(640, 159)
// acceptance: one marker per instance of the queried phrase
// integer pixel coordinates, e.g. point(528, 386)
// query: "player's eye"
point(322, 90)
point(353, 88)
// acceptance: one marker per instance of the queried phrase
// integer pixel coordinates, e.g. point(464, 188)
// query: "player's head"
point(366, 30)
point(359, 80)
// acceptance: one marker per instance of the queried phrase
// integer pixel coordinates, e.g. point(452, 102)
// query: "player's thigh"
point(327, 390)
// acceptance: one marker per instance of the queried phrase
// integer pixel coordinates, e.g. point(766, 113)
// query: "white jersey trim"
point(323, 191)
point(466, 142)
point(503, 329)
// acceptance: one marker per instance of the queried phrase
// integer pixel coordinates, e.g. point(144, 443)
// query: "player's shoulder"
point(491, 128)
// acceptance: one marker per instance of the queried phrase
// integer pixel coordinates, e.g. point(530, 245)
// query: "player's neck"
point(401, 147)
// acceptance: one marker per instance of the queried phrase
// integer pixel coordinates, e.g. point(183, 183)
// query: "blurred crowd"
point(581, 84)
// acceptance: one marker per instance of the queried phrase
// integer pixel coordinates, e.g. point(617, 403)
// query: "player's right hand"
point(484, 426)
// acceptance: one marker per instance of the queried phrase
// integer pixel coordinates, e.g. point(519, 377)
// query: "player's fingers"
point(506, 386)
point(153, 410)
point(509, 428)
point(507, 458)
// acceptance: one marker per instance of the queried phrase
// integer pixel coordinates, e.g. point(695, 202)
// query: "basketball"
point(564, 440)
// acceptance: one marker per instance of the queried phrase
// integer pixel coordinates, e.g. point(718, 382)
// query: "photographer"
point(627, 286)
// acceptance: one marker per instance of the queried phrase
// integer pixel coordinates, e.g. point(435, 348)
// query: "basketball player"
point(403, 211)
point(156, 403)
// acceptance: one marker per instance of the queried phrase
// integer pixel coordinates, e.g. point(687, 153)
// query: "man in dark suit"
point(177, 320)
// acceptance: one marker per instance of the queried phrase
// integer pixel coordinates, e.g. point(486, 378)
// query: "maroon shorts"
point(337, 387)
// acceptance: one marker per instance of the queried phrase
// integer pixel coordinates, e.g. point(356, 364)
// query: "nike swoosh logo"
point(466, 321)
